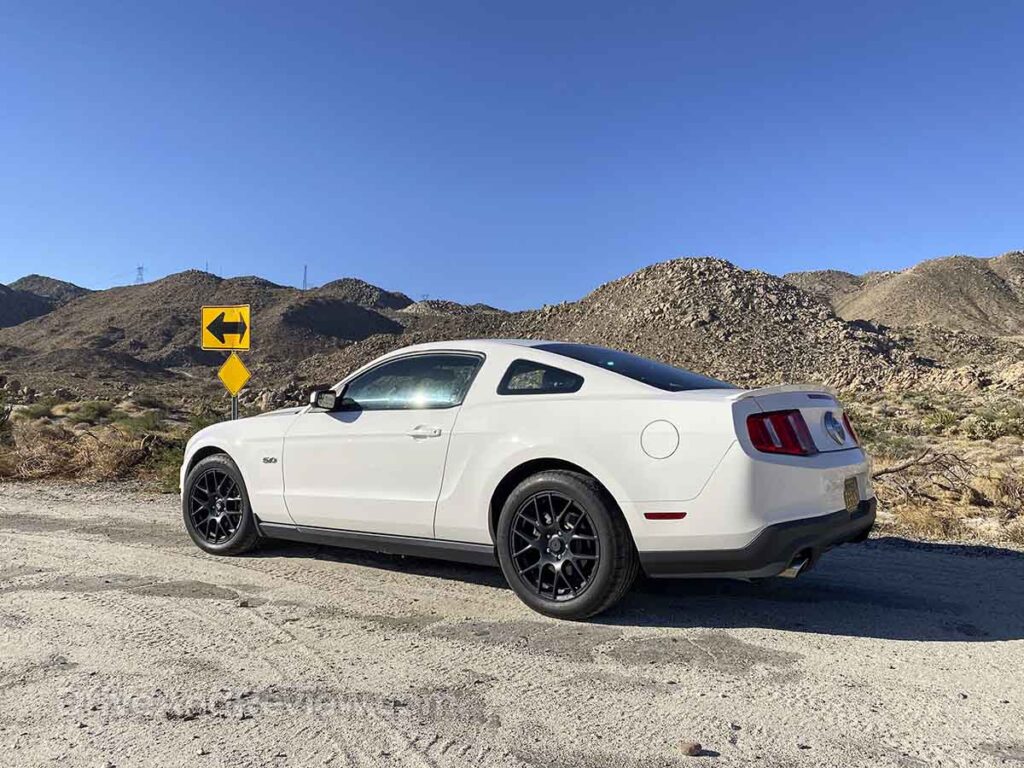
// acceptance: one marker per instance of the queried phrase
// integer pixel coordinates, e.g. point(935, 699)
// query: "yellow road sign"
point(226, 327)
point(233, 374)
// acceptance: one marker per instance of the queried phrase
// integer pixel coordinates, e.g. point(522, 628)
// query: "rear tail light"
point(849, 429)
point(780, 432)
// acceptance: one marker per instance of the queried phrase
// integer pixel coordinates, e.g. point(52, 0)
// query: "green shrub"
point(6, 435)
point(146, 400)
point(91, 412)
point(43, 409)
point(145, 423)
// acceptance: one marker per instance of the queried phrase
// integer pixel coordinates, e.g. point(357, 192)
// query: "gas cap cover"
point(659, 439)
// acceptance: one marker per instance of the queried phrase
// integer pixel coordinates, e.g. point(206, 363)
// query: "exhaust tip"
point(796, 567)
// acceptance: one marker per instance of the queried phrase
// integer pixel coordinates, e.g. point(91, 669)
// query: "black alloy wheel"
point(564, 546)
point(554, 546)
point(215, 506)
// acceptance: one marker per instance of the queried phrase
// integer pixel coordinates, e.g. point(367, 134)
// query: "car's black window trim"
point(480, 356)
point(504, 391)
point(652, 373)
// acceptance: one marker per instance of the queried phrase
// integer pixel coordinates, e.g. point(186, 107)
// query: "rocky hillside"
point(57, 292)
point(743, 326)
point(747, 327)
point(958, 293)
point(18, 306)
point(128, 334)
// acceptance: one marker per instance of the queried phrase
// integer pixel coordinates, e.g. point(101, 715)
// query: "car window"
point(525, 377)
point(649, 372)
point(414, 382)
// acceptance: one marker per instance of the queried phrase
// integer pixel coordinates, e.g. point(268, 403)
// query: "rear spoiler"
point(782, 389)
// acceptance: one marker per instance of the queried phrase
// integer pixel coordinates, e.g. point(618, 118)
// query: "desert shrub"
point(928, 522)
point(52, 451)
point(144, 423)
point(91, 412)
point(146, 400)
point(164, 465)
point(43, 409)
point(1009, 494)
point(892, 445)
point(940, 421)
point(994, 420)
point(168, 451)
point(1015, 532)
point(5, 421)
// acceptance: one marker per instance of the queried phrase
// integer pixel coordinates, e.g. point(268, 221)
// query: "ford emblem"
point(835, 428)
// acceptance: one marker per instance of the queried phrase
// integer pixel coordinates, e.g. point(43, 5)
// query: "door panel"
point(376, 464)
point(372, 471)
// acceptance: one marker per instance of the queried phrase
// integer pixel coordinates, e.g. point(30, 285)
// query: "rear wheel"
point(564, 546)
point(215, 506)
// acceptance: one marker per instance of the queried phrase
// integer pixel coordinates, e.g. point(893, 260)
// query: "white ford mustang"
point(571, 466)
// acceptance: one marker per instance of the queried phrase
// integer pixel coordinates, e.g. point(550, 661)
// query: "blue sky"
point(512, 153)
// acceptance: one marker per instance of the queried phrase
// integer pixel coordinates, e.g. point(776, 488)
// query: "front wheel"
point(216, 508)
point(564, 547)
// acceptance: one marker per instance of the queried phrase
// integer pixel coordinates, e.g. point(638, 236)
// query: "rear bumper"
point(771, 551)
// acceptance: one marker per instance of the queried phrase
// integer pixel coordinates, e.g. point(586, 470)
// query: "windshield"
point(641, 369)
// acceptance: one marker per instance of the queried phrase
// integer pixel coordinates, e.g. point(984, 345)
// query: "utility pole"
point(140, 273)
point(305, 277)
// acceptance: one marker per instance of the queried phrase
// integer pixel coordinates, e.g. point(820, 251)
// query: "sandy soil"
point(121, 644)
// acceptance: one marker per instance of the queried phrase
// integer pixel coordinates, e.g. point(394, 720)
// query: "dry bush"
point(1009, 494)
point(930, 475)
point(1015, 532)
point(51, 451)
point(925, 522)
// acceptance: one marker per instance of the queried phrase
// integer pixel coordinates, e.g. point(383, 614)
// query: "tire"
point(227, 528)
point(594, 565)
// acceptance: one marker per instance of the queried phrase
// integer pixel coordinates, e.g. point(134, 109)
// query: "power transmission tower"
point(305, 277)
point(140, 273)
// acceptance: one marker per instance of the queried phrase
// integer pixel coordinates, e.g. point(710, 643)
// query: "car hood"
point(290, 411)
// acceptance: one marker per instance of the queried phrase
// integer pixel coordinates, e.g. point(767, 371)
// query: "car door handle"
point(422, 431)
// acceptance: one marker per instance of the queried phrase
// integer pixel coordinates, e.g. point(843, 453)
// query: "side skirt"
point(438, 549)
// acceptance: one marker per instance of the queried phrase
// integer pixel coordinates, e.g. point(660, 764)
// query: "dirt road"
point(121, 644)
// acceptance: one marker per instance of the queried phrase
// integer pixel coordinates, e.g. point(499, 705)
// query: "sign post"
point(228, 328)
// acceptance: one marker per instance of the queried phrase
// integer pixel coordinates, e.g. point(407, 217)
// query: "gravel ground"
point(121, 644)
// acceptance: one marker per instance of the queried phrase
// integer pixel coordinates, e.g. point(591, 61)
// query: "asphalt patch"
point(563, 639)
point(706, 650)
point(196, 590)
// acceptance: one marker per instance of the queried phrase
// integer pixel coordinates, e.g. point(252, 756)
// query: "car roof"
point(478, 345)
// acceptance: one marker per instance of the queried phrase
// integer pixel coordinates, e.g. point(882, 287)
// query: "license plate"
point(851, 494)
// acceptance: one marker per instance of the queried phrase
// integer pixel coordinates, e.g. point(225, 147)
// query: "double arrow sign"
point(226, 327)
point(220, 329)
point(230, 329)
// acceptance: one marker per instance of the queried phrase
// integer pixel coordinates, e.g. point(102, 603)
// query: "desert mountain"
point(705, 314)
point(58, 292)
point(129, 333)
point(157, 322)
point(18, 306)
point(364, 294)
point(958, 293)
point(744, 326)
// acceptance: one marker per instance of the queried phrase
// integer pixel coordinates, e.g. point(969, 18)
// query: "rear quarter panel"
point(599, 432)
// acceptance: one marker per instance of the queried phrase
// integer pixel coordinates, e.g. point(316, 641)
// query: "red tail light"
point(781, 432)
point(849, 429)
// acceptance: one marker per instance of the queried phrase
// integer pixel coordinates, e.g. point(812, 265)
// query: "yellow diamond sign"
point(233, 374)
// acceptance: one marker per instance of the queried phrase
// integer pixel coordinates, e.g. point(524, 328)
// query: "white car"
point(572, 467)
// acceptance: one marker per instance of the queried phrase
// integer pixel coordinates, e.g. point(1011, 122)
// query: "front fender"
point(256, 446)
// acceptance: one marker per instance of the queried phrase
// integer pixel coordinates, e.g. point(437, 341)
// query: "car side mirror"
point(324, 399)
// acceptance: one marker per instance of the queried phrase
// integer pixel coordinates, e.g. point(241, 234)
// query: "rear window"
point(641, 369)
point(525, 377)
